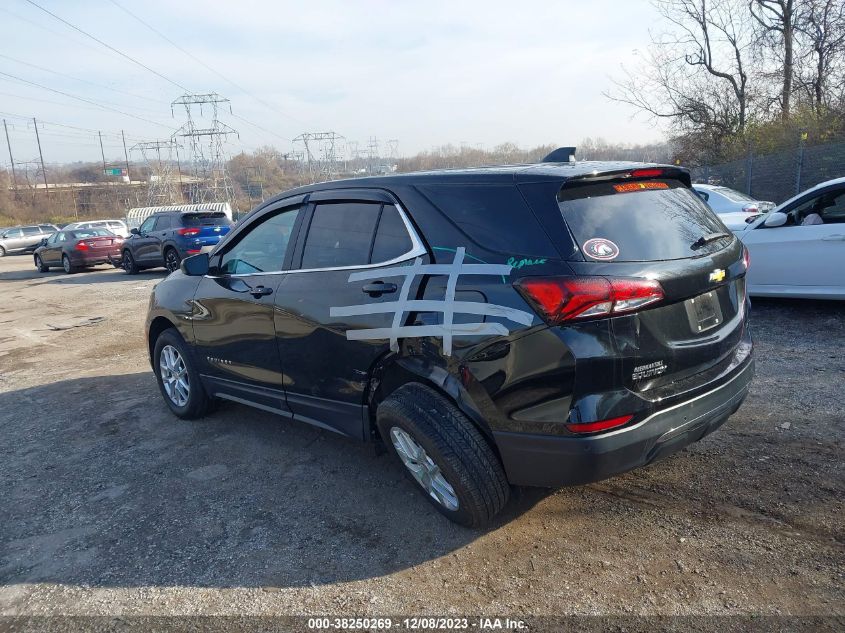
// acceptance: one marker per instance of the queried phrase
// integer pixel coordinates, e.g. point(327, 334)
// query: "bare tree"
point(697, 74)
point(821, 26)
point(776, 20)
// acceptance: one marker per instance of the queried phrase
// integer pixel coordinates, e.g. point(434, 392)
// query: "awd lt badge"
point(717, 275)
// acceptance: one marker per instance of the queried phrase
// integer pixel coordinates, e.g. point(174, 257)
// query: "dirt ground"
point(110, 505)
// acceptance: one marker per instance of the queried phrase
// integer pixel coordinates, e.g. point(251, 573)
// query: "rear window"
point(80, 234)
point(205, 219)
point(640, 221)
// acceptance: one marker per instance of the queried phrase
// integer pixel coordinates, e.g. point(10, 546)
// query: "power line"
point(83, 99)
point(263, 129)
point(72, 127)
point(99, 103)
point(91, 83)
point(204, 65)
point(108, 46)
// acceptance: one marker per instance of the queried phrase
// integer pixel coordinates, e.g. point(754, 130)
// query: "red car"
point(78, 248)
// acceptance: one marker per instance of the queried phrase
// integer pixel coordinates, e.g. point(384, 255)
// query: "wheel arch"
point(158, 325)
point(393, 372)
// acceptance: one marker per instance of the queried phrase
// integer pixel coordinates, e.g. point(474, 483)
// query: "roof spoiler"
point(560, 155)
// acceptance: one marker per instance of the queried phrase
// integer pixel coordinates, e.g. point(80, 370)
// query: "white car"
point(730, 205)
point(118, 227)
point(798, 249)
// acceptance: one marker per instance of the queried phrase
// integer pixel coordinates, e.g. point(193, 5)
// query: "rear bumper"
point(92, 259)
point(552, 461)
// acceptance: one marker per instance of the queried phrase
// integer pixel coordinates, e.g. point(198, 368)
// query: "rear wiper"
point(706, 239)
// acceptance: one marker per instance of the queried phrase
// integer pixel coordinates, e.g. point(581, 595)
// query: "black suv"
point(537, 325)
point(166, 238)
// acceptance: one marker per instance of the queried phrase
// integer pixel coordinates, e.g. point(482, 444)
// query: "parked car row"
point(24, 239)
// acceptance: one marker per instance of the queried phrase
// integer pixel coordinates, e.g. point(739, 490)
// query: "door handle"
point(260, 291)
point(378, 288)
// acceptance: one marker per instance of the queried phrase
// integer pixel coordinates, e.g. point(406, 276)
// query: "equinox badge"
point(717, 275)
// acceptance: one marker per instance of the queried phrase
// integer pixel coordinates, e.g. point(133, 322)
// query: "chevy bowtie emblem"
point(717, 275)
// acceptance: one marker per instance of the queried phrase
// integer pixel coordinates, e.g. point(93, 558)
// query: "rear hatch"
point(657, 229)
point(205, 227)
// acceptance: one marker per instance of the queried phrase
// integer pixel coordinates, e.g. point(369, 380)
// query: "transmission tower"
point(393, 149)
point(321, 154)
point(372, 154)
point(165, 187)
point(204, 137)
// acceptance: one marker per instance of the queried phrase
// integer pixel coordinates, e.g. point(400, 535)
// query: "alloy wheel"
point(171, 261)
point(423, 468)
point(126, 264)
point(66, 264)
point(174, 376)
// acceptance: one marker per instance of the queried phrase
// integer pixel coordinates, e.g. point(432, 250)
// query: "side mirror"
point(195, 265)
point(134, 231)
point(776, 218)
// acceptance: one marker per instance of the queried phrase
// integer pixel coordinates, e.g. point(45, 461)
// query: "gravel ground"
point(110, 505)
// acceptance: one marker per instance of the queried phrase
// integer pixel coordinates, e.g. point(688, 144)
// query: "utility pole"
point(11, 159)
point(126, 156)
point(102, 152)
point(41, 156)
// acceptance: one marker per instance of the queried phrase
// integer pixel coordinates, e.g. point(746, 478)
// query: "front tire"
point(2, 252)
point(177, 377)
point(128, 263)
point(444, 454)
point(39, 264)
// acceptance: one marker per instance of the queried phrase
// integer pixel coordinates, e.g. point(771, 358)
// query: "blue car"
point(166, 238)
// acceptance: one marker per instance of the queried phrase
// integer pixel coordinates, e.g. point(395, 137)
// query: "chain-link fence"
point(778, 176)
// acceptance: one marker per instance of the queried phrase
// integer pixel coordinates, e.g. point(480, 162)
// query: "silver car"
point(24, 239)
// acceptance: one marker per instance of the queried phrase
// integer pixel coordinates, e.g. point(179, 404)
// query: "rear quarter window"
point(495, 217)
point(645, 221)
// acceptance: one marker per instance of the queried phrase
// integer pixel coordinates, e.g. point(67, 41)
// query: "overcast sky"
point(425, 73)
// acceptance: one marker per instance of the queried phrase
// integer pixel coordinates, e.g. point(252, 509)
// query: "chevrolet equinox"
point(536, 325)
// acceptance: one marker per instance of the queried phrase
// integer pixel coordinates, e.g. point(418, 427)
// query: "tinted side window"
point(392, 239)
point(147, 226)
point(162, 223)
point(340, 234)
point(14, 233)
point(31, 230)
point(495, 217)
point(263, 247)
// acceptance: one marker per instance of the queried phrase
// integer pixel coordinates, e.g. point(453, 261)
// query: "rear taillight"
point(559, 299)
point(188, 232)
point(81, 246)
point(751, 208)
point(601, 425)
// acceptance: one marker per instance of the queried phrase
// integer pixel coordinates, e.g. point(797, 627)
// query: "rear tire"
point(171, 259)
point(68, 267)
point(2, 252)
point(40, 265)
point(476, 488)
point(177, 377)
point(128, 263)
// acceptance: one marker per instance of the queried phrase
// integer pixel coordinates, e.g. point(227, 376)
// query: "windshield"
point(640, 221)
point(734, 196)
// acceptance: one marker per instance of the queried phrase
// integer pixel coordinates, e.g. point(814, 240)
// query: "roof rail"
point(560, 155)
